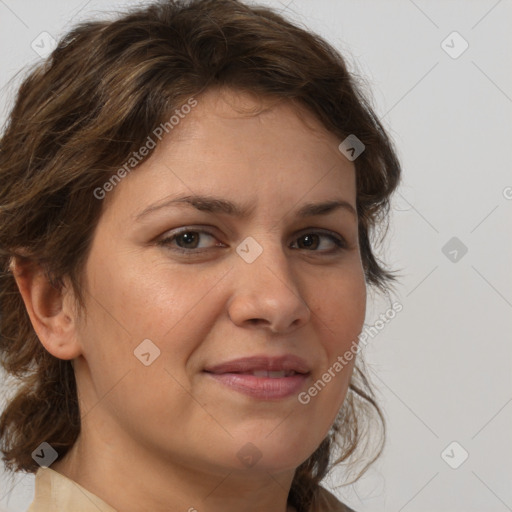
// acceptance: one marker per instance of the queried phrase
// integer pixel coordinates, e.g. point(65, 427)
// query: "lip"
point(286, 362)
point(231, 374)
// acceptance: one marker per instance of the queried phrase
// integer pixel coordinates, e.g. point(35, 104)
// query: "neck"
point(101, 467)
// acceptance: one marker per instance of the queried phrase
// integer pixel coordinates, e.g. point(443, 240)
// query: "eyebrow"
point(213, 204)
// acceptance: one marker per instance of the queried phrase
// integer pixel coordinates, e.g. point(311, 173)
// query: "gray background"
point(442, 366)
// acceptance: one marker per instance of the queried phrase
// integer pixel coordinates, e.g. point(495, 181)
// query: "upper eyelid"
point(322, 231)
point(210, 230)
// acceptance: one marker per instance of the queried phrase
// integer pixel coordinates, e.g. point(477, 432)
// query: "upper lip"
point(257, 363)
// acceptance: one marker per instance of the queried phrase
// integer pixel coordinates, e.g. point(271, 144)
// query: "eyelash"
point(340, 243)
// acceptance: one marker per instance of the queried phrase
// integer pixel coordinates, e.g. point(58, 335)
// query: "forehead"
point(244, 146)
point(237, 110)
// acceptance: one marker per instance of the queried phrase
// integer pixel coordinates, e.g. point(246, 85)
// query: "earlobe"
point(49, 309)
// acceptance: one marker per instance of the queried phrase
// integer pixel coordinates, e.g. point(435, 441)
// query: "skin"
point(164, 437)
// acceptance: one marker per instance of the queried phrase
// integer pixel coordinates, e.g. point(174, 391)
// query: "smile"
point(262, 377)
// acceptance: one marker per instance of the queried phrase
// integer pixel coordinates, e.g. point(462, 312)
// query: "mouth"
point(277, 374)
point(262, 377)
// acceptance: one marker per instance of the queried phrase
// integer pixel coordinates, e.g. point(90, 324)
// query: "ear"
point(50, 308)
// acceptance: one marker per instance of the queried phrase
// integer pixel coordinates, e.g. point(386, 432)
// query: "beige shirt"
point(56, 493)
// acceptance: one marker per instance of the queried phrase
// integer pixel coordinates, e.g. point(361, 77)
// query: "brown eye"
point(312, 240)
point(187, 240)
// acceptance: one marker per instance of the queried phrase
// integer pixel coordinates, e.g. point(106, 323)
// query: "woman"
point(188, 194)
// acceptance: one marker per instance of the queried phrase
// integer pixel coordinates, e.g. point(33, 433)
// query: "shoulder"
point(327, 502)
point(55, 492)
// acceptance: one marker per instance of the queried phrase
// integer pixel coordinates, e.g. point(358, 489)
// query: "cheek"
point(340, 317)
point(143, 297)
point(155, 302)
point(341, 309)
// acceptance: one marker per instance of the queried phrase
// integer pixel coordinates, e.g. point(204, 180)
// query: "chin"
point(274, 453)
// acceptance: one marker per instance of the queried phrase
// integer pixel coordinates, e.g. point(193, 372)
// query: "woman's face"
point(272, 288)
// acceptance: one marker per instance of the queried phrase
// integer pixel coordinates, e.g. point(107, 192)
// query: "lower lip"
point(265, 388)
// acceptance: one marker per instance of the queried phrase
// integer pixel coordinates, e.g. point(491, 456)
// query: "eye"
point(187, 241)
point(312, 240)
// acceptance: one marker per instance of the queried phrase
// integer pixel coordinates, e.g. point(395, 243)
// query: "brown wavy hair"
point(80, 114)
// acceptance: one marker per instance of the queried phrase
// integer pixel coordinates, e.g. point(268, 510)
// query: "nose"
point(267, 293)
